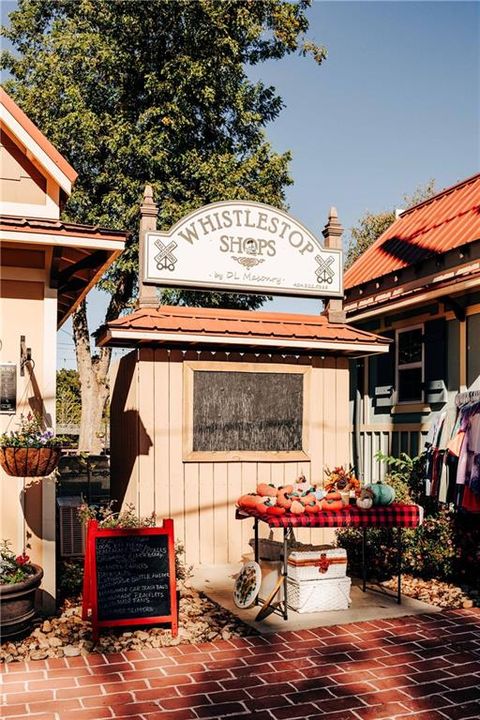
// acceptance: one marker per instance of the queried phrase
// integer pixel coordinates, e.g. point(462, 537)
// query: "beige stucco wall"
point(148, 469)
point(27, 506)
point(26, 189)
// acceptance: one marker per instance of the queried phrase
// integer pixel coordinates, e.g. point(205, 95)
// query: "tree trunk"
point(94, 390)
point(93, 370)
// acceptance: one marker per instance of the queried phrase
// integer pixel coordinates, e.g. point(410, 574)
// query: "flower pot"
point(29, 462)
point(17, 605)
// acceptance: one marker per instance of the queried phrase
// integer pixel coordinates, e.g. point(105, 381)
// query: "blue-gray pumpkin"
point(383, 494)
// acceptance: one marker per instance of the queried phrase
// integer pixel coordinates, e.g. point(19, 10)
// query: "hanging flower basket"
point(29, 462)
point(30, 451)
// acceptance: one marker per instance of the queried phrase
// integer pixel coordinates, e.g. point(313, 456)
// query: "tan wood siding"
point(148, 469)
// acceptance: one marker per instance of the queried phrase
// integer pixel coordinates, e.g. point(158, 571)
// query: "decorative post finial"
point(147, 294)
point(332, 232)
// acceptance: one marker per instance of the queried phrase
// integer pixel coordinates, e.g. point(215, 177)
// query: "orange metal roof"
point(38, 136)
point(446, 221)
point(246, 326)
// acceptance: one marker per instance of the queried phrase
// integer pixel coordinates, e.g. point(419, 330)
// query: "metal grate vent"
point(72, 532)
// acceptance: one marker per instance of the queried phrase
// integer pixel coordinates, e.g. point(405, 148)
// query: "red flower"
point(22, 559)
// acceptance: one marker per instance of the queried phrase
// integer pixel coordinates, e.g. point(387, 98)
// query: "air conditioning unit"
point(72, 531)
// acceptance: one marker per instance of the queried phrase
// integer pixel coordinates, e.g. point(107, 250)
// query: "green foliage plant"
point(31, 434)
point(428, 551)
point(13, 568)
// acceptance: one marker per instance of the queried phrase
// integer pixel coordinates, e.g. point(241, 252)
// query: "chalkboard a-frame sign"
point(129, 577)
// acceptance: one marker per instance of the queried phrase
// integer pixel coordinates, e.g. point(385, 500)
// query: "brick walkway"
point(425, 667)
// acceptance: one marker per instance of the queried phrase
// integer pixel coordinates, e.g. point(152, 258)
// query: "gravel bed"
point(67, 635)
point(436, 592)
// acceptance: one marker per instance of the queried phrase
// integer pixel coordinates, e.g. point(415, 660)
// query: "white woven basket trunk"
point(323, 564)
point(318, 595)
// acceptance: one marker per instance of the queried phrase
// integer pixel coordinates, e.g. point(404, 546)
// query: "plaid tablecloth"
point(388, 516)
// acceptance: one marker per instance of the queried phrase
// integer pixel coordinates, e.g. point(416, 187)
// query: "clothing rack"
point(465, 398)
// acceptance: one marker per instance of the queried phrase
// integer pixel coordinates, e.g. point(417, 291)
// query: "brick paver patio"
point(425, 667)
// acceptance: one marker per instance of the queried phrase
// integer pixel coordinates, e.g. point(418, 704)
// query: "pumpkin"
point(307, 498)
point(297, 507)
point(383, 494)
point(332, 501)
point(275, 510)
point(265, 504)
point(286, 489)
point(283, 499)
point(267, 490)
point(365, 500)
point(249, 501)
point(312, 507)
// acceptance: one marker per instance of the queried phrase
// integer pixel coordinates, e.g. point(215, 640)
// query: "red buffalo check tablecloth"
point(389, 516)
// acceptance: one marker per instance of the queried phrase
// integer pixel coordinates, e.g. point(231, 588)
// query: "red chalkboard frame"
point(90, 598)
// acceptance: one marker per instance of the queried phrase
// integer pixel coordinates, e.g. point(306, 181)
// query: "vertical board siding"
point(161, 437)
point(147, 431)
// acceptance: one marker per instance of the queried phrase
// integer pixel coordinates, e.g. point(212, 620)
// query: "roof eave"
point(134, 338)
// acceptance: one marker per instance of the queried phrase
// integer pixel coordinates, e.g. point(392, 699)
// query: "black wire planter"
point(29, 461)
point(17, 605)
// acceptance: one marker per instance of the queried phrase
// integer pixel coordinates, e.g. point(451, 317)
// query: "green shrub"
point(428, 551)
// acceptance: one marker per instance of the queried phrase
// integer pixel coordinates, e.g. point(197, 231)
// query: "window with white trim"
point(410, 364)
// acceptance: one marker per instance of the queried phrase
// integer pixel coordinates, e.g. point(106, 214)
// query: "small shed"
point(210, 402)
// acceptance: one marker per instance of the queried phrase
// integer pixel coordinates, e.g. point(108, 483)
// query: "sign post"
point(129, 577)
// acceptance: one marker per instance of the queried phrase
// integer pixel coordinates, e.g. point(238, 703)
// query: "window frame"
point(409, 366)
point(190, 455)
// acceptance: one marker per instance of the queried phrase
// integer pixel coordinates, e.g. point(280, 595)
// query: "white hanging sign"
point(246, 247)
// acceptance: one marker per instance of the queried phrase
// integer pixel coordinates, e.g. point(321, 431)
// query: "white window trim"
point(407, 366)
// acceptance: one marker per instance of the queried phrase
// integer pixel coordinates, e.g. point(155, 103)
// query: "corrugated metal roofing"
point(241, 324)
point(446, 221)
point(58, 227)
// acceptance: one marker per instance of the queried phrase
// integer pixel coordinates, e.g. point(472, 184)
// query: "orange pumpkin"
point(308, 498)
point(248, 502)
point(297, 507)
point(286, 489)
point(266, 490)
point(284, 500)
point(332, 501)
point(275, 510)
point(312, 507)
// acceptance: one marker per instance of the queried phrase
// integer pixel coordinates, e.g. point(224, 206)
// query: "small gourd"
point(383, 494)
point(365, 501)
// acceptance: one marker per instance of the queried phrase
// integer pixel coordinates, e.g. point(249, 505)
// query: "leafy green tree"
point(68, 398)
point(134, 92)
point(372, 225)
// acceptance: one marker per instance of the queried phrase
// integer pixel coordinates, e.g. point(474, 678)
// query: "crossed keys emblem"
point(324, 272)
point(165, 259)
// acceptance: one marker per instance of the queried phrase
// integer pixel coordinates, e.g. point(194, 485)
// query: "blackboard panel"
point(132, 576)
point(247, 411)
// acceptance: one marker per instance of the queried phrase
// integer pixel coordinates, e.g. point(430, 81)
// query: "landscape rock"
point(200, 620)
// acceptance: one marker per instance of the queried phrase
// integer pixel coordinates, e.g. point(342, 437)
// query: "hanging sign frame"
point(242, 246)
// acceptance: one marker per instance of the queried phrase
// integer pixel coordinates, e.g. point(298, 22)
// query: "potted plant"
point(30, 451)
point(19, 580)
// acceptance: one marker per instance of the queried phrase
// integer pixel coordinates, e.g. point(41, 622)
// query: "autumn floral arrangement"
point(342, 480)
point(13, 568)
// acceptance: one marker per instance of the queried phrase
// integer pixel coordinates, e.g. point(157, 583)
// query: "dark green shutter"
point(436, 361)
point(385, 374)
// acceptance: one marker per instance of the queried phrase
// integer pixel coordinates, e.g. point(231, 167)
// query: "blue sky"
point(396, 103)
